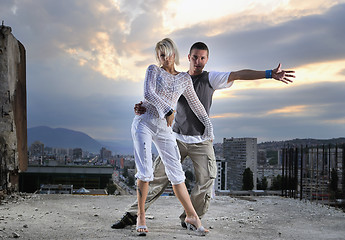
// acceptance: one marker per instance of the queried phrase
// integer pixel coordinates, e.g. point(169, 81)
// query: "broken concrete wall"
point(13, 117)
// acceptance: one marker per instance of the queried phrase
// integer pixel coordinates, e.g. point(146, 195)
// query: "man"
point(189, 131)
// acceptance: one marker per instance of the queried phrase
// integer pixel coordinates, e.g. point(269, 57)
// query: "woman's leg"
point(142, 140)
point(181, 193)
point(166, 145)
point(142, 190)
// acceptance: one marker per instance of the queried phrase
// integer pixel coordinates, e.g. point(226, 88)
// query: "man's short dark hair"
point(199, 46)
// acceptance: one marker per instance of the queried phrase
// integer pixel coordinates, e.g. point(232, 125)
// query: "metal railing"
point(316, 173)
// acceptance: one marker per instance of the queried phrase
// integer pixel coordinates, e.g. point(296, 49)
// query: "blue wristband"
point(268, 73)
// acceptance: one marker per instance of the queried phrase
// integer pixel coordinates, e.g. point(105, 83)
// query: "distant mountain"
point(66, 138)
point(278, 145)
point(63, 138)
point(301, 142)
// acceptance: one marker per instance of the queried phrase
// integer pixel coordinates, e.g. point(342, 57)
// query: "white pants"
point(145, 130)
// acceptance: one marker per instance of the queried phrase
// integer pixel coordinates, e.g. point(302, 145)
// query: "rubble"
point(90, 217)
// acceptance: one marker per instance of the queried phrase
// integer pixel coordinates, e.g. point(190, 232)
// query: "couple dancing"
point(189, 95)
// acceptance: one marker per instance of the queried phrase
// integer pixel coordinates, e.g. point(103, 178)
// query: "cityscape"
point(233, 156)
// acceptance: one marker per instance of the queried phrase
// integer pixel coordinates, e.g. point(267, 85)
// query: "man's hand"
point(282, 75)
point(170, 119)
point(139, 109)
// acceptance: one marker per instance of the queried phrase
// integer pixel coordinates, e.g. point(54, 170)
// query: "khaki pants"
point(205, 169)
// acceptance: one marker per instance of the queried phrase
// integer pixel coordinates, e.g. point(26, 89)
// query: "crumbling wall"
point(13, 121)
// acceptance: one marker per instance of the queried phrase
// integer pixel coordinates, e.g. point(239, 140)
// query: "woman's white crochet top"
point(162, 91)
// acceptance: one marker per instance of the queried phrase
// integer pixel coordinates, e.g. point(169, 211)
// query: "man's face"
point(197, 61)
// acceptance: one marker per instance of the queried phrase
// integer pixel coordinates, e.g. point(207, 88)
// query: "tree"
point(272, 155)
point(247, 179)
point(277, 183)
point(262, 185)
point(258, 184)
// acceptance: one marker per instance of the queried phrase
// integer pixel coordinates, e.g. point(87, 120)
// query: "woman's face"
point(166, 61)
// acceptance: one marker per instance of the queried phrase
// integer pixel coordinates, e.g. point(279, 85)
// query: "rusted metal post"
point(343, 173)
point(296, 173)
point(336, 157)
point(329, 162)
point(283, 168)
point(301, 175)
point(290, 172)
point(317, 173)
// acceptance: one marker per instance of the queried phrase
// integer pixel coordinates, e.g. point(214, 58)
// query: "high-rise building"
point(77, 153)
point(37, 149)
point(220, 184)
point(105, 154)
point(240, 153)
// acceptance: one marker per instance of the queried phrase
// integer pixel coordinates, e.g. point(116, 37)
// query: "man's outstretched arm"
point(277, 74)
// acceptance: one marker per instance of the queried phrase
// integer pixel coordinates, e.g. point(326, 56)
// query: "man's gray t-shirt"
point(186, 123)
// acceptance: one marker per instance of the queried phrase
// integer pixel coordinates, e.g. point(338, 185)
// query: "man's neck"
point(194, 73)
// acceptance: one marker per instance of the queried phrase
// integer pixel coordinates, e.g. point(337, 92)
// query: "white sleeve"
point(198, 109)
point(150, 94)
point(219, 80)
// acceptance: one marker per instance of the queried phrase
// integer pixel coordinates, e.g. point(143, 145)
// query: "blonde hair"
point(168, 47)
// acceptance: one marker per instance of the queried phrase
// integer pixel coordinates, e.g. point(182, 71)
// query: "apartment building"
point(240, 153)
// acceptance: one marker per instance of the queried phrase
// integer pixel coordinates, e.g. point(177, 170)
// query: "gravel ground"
point(90, 217)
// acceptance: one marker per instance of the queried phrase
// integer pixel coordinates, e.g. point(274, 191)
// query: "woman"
point(162, 88)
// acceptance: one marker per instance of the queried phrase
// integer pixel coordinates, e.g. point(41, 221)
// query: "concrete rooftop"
point(89, 217)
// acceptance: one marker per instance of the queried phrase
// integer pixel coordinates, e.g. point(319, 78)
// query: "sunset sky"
point(86, 62)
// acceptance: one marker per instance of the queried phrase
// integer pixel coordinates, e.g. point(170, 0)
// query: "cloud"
point(342, 72)
point(118, 43)
point(93, 33)
point(227, 115)
point(288, 110)
point(52, 25)
point(86, 63)
point(318, 113)
point(336, 121)
point(259, 43)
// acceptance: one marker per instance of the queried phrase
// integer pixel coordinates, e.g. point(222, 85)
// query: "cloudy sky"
point(86, 62)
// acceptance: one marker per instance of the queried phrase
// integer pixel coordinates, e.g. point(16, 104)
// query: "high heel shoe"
point(200, 231)
point(143, 233)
